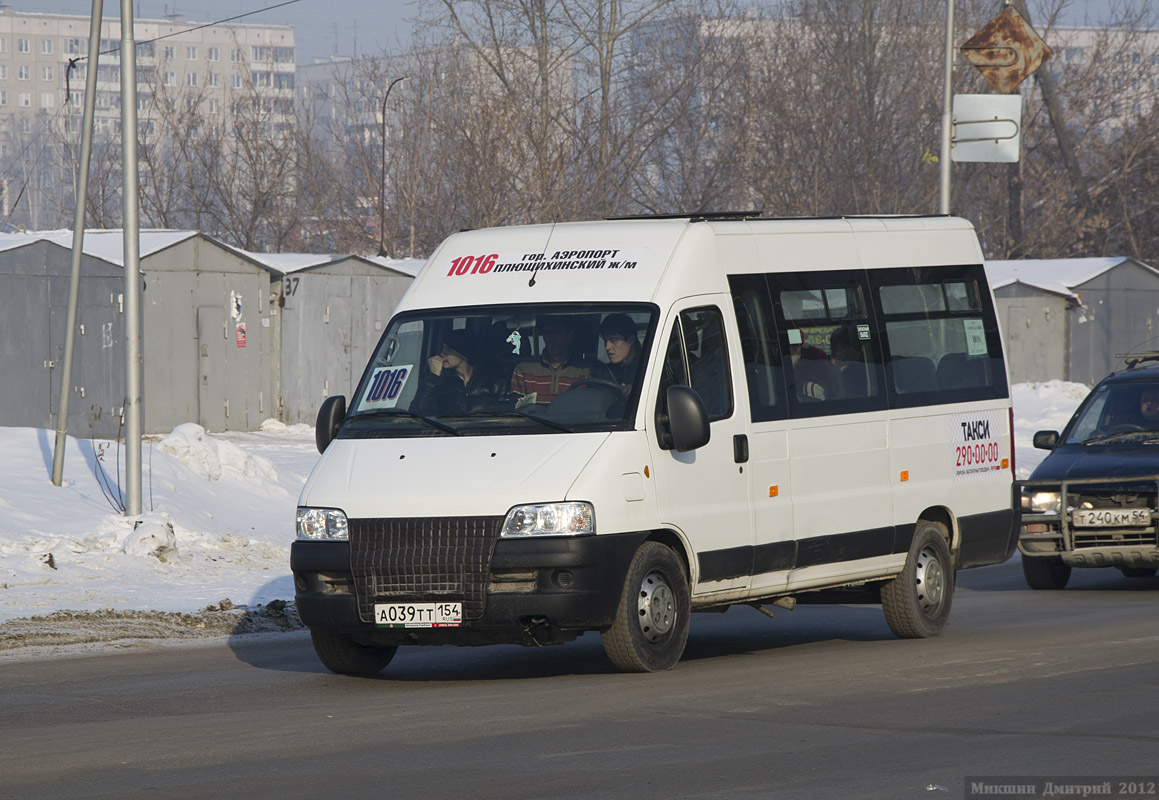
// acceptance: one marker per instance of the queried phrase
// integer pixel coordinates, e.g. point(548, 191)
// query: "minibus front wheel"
point(917, 602)
point(339, 653)
point(651, 626)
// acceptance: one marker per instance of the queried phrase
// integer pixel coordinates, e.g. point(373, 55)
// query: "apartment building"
point(44, 61)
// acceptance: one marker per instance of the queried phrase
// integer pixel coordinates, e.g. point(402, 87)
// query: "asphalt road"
point(821, 702)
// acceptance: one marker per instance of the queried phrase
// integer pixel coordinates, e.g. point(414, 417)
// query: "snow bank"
point(218, 521)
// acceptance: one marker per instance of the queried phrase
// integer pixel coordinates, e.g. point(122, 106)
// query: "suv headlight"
point(1042, 502)
point(550, 519)
point(322, 524)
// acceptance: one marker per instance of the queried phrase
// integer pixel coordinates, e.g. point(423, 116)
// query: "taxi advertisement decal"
point(976, 449)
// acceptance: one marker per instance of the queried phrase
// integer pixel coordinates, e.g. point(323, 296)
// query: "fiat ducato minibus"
point(607, 426)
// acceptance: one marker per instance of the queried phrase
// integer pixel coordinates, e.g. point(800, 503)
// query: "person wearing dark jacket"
point(458, 380)
point(622, 346)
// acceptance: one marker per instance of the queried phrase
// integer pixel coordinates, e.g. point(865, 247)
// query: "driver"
point(556, 370)
point(1149, 406)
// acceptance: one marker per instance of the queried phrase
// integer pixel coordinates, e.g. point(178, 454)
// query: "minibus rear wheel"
point(651, 626)
point(917, 602)
point(339, 653)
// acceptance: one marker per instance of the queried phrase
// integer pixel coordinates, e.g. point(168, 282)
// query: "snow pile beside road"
point(214, 459)
point(218, 521)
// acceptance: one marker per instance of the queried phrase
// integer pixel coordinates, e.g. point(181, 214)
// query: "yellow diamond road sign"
point(1006, 51)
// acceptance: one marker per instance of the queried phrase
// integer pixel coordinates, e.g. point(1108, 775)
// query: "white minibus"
point(605, 426)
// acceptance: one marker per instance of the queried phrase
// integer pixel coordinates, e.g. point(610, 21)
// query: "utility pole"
point(78, 238)
point(947, 113)
point(132, 261)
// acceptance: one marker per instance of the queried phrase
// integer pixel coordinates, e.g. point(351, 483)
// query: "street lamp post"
point(382, 186)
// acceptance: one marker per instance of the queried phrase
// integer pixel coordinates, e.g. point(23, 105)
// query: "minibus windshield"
point(551, 368)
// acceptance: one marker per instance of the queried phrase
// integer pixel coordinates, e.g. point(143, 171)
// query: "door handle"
point(740, 448)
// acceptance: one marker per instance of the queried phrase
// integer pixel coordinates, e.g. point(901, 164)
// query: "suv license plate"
point(418, 615)
point(1111, 517)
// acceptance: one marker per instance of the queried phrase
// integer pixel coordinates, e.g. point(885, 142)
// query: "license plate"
point(418, 615)
point(1111, 517)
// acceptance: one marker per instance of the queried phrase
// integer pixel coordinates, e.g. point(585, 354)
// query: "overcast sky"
point(349, 27)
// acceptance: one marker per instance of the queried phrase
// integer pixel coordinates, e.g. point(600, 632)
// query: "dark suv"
point(1094, 501)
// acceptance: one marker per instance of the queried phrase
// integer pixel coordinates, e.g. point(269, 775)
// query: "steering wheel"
point(599, 383)
point(1124, 427)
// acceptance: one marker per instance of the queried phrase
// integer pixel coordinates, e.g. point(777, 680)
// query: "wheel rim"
point(931, 581)
point(657, 607)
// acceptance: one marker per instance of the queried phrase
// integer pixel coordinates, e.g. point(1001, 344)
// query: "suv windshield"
point(1122, 411)
point(505, 369)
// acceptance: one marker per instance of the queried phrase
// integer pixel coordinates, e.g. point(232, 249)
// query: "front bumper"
point(540, 591)
point(1061, 534)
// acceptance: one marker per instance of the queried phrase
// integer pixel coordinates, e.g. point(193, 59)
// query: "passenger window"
point(941, 336)
point(834, 365)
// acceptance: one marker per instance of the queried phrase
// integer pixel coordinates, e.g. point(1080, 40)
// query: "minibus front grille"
point(422, 560)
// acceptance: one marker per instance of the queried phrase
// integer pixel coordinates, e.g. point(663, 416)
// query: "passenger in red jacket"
point(556, 370)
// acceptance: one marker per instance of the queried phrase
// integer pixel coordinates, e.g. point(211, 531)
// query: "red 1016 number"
point(473, 264)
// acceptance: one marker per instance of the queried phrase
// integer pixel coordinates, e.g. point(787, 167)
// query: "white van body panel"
point(447, 476)
point(614, 481)
point(650, 270)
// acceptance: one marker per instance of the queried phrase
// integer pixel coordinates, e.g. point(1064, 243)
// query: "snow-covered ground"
point(218, 521)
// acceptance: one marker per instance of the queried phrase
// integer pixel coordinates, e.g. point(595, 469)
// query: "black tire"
point(917, 602)
point(1139, 572)
point(1045, 572)
point(651, 626)
point(339, 653)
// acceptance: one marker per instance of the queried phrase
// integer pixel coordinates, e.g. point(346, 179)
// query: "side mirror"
point(687, 419)
point(1046, 440)
point(330, 417)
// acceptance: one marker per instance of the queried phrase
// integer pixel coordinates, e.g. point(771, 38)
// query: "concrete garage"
point(1068, 318)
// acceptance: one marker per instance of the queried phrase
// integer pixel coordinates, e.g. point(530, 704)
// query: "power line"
point(184, 31)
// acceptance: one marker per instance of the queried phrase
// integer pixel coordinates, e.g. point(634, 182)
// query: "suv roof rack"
point(1135, 359)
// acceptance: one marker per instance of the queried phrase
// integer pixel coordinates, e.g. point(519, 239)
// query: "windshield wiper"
point(549, 423)
point(1111, 437)
point(399, 412)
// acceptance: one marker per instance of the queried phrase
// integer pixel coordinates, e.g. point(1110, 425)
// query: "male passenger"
point(556, 370)
point(622, 346)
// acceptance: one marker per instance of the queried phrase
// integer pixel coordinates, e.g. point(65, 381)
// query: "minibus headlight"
point(550, 519)
point(1042, 502)
point(322, 524)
